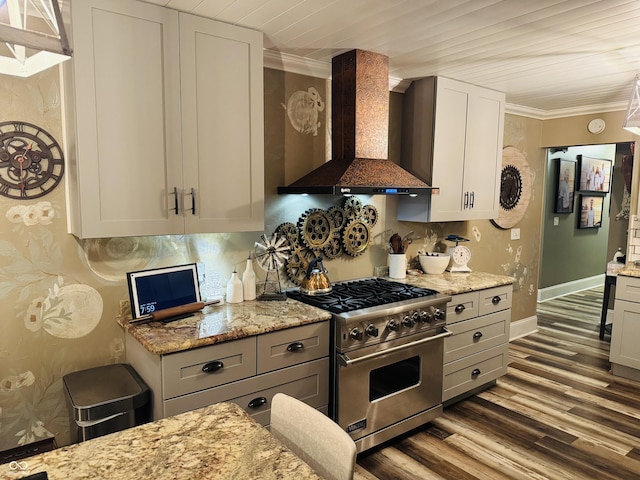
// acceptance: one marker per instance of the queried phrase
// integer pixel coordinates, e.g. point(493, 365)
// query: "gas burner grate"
point(358, 294)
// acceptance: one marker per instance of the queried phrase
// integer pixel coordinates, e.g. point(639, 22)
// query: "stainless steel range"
point(387, 366)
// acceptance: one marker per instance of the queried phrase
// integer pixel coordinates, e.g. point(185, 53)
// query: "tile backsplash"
point(633, 252)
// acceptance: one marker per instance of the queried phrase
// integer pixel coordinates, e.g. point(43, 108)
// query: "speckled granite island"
point(216, 442)
point(242, 352)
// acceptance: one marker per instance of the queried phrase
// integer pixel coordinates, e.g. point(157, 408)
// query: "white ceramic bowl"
point(434, 263)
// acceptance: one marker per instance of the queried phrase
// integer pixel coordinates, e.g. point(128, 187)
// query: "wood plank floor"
point(557, 414)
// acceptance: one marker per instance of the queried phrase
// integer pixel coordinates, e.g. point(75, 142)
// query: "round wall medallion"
point(515, 188)
point(596, 125)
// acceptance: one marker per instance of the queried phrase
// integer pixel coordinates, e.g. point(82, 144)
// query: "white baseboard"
point(561, 289)
point(524, 327)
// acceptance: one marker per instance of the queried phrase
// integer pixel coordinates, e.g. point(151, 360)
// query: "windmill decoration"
point(271, 254)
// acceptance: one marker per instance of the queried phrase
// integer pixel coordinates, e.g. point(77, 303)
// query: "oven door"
point(380, 385)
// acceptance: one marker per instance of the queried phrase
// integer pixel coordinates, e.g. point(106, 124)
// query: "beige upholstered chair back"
point(314, 437)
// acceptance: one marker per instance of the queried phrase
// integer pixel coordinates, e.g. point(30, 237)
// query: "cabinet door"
point(125, 79)
point(222, 126)
point(483, 159)
point(449, 150)
point(625, 334)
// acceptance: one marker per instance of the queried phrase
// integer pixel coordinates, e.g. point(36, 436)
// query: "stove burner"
point(358, 294)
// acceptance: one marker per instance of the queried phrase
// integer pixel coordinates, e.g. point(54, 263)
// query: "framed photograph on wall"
point(595, 174)
point(565, 185)
point(590, 211)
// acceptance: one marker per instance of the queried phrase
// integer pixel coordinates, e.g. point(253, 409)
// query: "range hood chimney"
point(360, 134)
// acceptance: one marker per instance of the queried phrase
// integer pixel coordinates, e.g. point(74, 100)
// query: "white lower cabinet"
point(625, 354)
point(477, 352)
point(247, 371)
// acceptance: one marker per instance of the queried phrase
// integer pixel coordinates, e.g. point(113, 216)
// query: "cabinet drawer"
point(182, 372)
point(476, 335)
point(308, 382)
point(474, 371)
point(628, 288)
point(495, 299)
point(285, 348)
point(462, 307)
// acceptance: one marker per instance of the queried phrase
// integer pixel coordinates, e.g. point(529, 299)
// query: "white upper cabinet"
point(452, 138)
point(164, 123)
point(222, 125)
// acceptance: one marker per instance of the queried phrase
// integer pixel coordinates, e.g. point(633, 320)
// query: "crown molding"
point(295, 64)
point(563, 112)
point(315, 68)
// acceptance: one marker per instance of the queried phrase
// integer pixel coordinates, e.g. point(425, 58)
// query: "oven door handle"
point(345, 361)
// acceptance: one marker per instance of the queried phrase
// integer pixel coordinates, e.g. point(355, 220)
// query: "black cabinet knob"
point(476, 372)
point(477, 335)
point(295, 347)
point(212, 366)
point(257, 402)
point(496, 300)
point(460, 308)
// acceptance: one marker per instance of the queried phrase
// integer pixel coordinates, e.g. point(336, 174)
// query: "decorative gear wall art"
point(339, 230)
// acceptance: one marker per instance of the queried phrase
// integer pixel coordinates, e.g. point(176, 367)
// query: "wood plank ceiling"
point(550, 57)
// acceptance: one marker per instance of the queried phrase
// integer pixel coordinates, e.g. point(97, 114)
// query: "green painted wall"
point(570, 253)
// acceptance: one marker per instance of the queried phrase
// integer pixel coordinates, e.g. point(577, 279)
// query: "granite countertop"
point(216, 442)
point(449, 283)
point(629, 270)
point(222, 322)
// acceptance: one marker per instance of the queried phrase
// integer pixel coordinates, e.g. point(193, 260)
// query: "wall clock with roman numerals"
point(31, 161)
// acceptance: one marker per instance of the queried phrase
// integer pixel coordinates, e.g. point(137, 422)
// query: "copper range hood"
point(360, 134)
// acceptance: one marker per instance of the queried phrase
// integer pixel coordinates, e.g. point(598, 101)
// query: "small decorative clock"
point(460, 255)
point(31, 161)
point(515, 188)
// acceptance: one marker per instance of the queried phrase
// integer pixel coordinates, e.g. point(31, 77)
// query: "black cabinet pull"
point(295, 347)
point(212, 366)
point(475, 372)
point(257, 402)
point(477, 335)
point(175, 199)
point(496, 300)
point(193, 201)
point(460, 308)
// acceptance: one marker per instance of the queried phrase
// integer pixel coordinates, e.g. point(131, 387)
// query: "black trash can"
point(104, 400)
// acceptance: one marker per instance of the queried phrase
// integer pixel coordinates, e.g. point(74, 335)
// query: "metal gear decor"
point(339, 230)
point(316, 228)
point(298, 264)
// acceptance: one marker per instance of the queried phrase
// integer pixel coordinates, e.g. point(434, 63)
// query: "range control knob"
point(356, 334)
point(371, 330)
point(393, 325)
point(415, 316)
point(426, 317)
point(439, 314)
point(408, 321)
